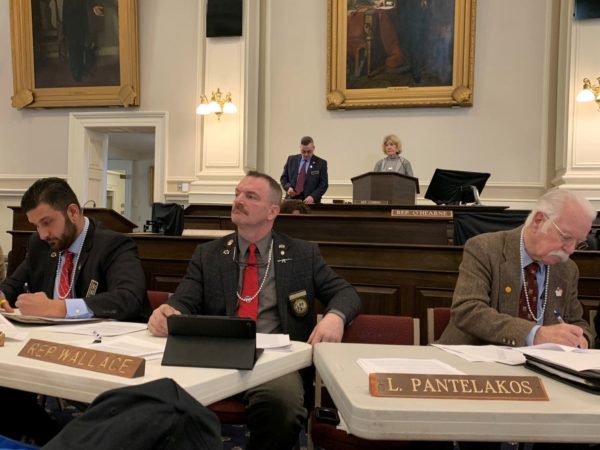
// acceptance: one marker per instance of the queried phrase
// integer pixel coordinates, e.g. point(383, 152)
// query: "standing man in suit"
point(304, 176)
point(273, 279)
point(510, 283)
point(74, 268)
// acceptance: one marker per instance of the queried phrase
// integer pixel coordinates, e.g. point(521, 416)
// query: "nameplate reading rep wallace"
point(467, 387)
point(84, 358)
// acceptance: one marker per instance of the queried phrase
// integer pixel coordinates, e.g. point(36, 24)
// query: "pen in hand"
point(558, 317)
point(561, 320)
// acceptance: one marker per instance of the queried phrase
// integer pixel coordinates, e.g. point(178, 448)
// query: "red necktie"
point(301, 175)
point(250, 286)
point(532, 292)
point(64, 286)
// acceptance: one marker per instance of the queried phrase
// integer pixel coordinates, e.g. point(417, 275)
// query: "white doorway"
point(131, 143)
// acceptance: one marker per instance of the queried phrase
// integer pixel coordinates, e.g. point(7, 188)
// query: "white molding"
point(77, 157)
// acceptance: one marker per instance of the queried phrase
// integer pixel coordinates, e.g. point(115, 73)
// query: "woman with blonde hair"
point(393, 162)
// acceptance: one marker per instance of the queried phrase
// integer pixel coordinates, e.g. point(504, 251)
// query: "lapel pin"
point(230, 242)
point(53, 255)
point(558, 292)
point(508, 289)
point(226, 252)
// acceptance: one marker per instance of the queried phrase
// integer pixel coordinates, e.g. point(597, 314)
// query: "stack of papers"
point(274, 342)
point(485, 353)
point(18, 317)
point(577, 359)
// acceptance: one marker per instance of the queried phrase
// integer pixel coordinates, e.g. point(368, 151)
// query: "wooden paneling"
point(391, 278)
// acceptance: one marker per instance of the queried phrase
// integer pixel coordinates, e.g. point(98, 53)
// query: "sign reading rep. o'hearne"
point(467, 387)
point(85, 358)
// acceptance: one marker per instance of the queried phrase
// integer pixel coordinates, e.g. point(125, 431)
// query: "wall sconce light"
point(218, 104)
point(589, 92)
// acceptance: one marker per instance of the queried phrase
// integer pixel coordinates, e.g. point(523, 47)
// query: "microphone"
point(93, 203)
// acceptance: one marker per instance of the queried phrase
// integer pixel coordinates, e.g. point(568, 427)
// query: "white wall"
point(505, 132)
point(508, 131)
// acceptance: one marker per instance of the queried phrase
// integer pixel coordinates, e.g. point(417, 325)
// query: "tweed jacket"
point(316, 181)
point(211, 282)
point(486, 296)
point(109, 275)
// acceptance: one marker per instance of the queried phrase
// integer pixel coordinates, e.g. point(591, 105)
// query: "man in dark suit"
point(105, 279)
point(304, 176)
point(291, 275)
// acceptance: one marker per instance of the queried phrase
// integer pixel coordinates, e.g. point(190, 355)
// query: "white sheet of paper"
point(406, 365)
point(128, 345)
point(572, 358)
point(10, 331)
point(276, 342)
point(108, 328)
point(485, 353)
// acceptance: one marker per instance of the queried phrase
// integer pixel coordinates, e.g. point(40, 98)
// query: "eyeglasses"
point(568, 239)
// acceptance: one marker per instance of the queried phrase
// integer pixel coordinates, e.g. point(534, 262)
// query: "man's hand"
point(309, 200)
point(329, 329)
point(4, 305)
point(563, 333)
point(39, 304)
point(291, 192)
point(157, 325)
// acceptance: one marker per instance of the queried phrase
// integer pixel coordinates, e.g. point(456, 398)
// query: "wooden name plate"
point(467, 387)
point(422, 214)
point(84, 358)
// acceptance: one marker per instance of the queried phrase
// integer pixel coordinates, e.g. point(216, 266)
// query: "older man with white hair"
point(519, 287)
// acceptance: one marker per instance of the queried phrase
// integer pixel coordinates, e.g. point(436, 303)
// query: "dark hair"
point(291, 205)
point(274, 187)
point(306, 140)
point(53, 191)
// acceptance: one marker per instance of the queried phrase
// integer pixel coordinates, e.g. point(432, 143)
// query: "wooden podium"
point(385, 187)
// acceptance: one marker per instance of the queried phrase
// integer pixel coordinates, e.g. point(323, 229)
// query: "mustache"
point(560, 254)
point(239, 207)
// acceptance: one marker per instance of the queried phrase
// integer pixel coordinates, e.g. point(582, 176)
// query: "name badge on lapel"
point(298, 303)
point(314, 172)
point(92, 288)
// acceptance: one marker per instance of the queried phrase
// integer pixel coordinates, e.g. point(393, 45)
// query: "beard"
point(65, 240)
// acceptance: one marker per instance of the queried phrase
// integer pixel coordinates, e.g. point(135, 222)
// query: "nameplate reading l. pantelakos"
point(422, 214)
point(466, 387)
point(84, 358)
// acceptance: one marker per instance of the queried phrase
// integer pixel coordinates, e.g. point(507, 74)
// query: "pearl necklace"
point(524, 283)
point(249, 299)
point(75, 262)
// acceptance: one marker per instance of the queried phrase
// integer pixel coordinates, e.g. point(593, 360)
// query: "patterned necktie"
point(250, 286)
point(532, 292)
point(301, 176)
point(64, 286)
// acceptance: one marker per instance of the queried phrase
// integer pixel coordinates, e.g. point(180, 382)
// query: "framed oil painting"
point(74, 53)
point(400, 53)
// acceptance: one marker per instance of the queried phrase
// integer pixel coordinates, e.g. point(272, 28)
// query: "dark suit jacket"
point(107, 257)
point(486, 297)
point(315, 183)
point(210, 285)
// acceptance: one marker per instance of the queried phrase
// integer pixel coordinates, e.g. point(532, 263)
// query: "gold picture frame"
point(45, 35)
point(400, 53)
